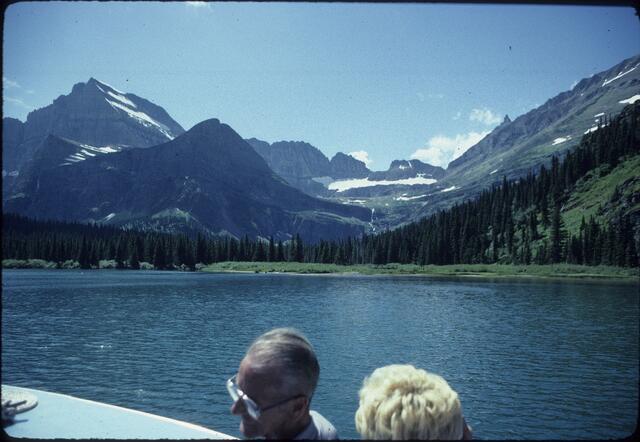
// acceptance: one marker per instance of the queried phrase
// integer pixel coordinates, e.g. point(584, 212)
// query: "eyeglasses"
point(253, 409)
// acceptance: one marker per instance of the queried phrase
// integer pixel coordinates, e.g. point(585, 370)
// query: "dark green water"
point(529, 359)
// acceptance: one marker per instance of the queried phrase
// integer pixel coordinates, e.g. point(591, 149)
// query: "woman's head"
point(403, 402)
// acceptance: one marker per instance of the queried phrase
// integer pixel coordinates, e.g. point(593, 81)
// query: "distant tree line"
point(56, 241)
point(515, 222)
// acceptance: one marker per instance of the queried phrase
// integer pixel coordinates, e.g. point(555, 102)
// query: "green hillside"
point(605, 194)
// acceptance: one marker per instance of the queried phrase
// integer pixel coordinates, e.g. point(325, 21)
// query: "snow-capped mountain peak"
point(93, 113)
point(126, 103)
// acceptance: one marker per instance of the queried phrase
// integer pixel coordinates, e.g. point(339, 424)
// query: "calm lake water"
point(529, 359)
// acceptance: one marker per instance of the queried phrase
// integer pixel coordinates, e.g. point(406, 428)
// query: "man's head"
point(402, 402)
point(279, 373)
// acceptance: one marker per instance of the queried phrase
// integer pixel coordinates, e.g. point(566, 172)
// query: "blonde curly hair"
point(403, 402)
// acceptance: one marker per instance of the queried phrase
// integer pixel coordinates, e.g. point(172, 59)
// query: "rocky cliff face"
point(292, 159)
point(345, 166)
point(95, 114)
point(208, 176)
point(403, 169)
point(296, 162)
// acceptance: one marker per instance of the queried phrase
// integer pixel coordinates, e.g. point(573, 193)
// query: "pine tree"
point(298, 249)
point(134, 262)
point(280, 252)
point(557, 236)
point(189, 258)
point(271, 254)
point(83, 255)
point(159, 256)
point(259, 253)
point(121, 252)
point(201, 250)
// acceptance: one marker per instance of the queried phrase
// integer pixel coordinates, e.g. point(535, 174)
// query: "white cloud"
point(6, 83)
point(458, 115)
point(573, 84)
point(362, 156)
point(30, 91)
point(18, 102)
point(441, 150)
point(199, 5)
point(484, 116)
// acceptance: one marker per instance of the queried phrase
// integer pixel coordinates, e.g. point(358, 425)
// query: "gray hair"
point(290, 351)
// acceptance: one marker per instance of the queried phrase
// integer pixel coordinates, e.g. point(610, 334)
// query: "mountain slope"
point(295, 161)
point(607, 194)
point(208, 178)
point(515, 147)
point(345, 166)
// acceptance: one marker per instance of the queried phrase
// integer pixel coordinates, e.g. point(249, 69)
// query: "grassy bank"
point(488, 270)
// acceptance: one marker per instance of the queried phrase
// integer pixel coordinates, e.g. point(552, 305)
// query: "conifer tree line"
point(516, 222)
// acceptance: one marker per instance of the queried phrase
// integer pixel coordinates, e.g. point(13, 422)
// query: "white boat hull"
point(58, 416)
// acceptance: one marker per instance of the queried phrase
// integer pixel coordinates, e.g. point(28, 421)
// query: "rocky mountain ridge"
point(208, 179)
point(93, 113)
point(305, 167)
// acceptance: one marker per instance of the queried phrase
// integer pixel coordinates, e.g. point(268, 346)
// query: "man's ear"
point(300, 406)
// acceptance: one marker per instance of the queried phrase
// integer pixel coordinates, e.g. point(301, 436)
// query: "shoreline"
point(516, 276)
point(471, 271)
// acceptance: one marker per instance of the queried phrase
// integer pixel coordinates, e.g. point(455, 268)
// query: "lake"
point(530, 359)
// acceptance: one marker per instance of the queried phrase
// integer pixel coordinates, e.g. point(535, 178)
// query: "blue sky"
point(384, 81)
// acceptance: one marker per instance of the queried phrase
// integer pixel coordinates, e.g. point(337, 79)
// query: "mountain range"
point(305, 167)
point(207, 179)
point(102, 155)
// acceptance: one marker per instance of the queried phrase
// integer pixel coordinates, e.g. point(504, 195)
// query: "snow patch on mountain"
point(88, 151)
point(630, 100)
point(324, 180)
point(104, 149)
point(601, 114)
point(560, 140)
point(343, 185)
point(122, 99)
point(354, 202)
point(408, 198)
point(141, 117)
point(448, 189)
point(493, 171)
point(620, 75)
point(591, 129)
point(110, 87)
